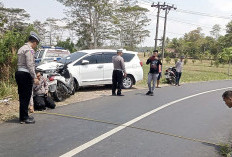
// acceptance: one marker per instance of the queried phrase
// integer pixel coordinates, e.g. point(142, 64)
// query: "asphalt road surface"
point(192, 110)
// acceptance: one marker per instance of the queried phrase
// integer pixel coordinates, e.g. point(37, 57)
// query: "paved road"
point(202, 116)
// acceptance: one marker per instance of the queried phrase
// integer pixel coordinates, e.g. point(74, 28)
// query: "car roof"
point(104, 50)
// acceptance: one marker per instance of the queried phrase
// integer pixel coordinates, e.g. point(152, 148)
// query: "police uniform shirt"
point(118, 62)
point(26, 60)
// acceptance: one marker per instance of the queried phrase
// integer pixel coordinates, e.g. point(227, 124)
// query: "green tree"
point(10, 42)
point(130, 22)
point(193, 40)
point(227, 56)
point(215, 32)
point(67, 45)
point(14, 18)
point(91, 19)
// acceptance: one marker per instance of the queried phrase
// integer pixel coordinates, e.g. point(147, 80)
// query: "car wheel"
point(127, 82)
point(76, 85)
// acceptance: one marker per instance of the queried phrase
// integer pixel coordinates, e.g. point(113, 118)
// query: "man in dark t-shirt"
point(154, 71)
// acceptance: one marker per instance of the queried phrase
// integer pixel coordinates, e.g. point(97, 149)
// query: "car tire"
point(76, 85)
point(127, 82)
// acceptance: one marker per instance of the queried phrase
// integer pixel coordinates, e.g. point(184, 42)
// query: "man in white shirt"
point(179, 67)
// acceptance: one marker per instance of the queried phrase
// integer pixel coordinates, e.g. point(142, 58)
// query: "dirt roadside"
point(10, 110)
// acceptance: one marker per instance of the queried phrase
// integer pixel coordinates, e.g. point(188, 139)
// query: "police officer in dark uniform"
point(25, 76)
point(119, 70)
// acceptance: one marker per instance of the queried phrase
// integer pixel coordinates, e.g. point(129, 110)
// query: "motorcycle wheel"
point(57, 95)
point(173, 81)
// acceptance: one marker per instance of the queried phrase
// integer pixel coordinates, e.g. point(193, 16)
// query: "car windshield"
point(74, 56)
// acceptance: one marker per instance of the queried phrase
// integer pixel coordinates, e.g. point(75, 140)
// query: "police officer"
point(25, 76)
point(119, 70)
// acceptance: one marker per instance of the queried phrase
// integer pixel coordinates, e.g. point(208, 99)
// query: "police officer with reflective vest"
point(119, 70)
point(25, 76)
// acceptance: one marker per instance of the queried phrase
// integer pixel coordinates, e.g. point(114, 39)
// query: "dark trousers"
point(41, 102)
point(117, 79)
point(178, 76)
point(25, 83)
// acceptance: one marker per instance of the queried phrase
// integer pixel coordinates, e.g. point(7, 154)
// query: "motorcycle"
point(61, 83)
point(170, 75)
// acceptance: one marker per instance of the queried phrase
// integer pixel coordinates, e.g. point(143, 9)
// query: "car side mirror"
point(84, 62)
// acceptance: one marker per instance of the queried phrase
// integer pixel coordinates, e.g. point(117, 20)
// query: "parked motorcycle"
point(170, 75)
point(61, 83)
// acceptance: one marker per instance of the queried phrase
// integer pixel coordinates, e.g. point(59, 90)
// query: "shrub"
point(217, 63)
point(168, 59)
point(193, 60)
point(185, 61)
point(211, 63)
point(175, 60)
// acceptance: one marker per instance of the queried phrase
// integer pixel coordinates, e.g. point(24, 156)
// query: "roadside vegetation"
point(192, 72)
point(225, 150)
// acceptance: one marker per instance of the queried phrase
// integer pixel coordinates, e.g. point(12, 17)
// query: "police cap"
point(35, 36)
point(119, 50)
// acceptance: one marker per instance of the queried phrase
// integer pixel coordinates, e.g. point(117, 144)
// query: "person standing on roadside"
point(154, 71)
point(25, 76)
point(179, 67)
point(160, 73)
point(118, 72)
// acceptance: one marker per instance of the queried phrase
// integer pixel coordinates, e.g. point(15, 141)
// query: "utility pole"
point(157, 23)
point(167, 8)
point(164, 34)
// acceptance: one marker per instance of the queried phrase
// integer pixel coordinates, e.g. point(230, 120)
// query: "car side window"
point(127, 57)
point(108, 57)
point(93, 59)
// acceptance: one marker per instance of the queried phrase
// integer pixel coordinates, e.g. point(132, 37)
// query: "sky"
point(178, 22)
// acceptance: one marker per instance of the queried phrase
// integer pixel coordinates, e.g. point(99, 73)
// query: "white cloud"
point(222, 5)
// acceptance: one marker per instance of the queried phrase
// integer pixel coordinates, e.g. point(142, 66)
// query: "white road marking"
point(117, 129)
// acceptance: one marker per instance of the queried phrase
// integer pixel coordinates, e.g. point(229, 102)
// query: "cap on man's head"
point(119, 50)
point(155, 51)
point(182, 57)
point(35, 36)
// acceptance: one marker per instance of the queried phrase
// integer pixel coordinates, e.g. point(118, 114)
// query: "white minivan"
point(95, 67)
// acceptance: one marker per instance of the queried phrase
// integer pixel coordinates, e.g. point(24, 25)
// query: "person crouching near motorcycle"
point(179, 67)
point(41, 98)
point(154, 71)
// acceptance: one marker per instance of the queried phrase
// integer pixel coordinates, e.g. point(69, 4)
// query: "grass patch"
point(8, 89)
point(225, 150)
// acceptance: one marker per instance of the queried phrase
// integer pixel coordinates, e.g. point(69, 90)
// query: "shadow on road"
point(15, 120)
point(99, 88)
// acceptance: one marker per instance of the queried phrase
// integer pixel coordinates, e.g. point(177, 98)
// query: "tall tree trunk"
point(229, 67)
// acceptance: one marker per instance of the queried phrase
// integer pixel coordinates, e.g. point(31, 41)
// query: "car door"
point(108, 66)
point(92, 73)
